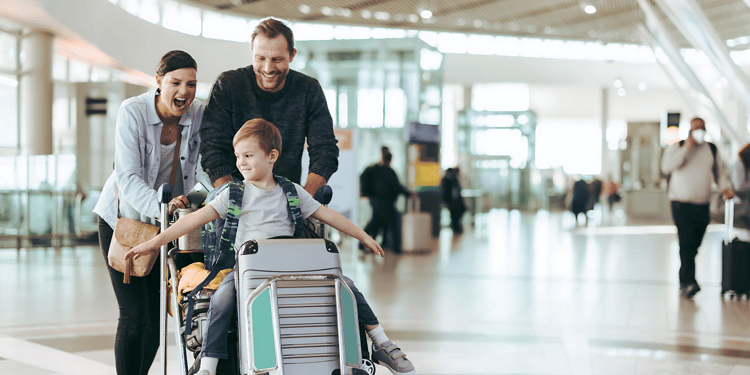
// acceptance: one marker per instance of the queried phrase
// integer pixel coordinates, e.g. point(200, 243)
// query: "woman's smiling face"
point(177, 91)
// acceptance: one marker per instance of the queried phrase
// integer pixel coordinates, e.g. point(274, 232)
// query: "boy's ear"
point(274, 155)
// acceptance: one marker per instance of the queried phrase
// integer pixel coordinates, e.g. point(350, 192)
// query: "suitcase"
point(735, 258)
point(296, 314)
point(416, 228)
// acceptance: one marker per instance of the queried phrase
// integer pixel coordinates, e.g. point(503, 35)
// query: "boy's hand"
point(139, 251)
point(373, 245)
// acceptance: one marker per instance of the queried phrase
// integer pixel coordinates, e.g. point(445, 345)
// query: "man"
point(268, 89)
point(691, 165)
point(451, 188)
point(382, 188)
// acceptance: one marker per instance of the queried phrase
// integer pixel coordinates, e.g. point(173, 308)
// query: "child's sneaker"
point(391, 356)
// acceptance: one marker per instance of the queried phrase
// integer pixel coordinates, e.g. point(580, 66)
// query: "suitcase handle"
point(412, 205)
point(729, 218)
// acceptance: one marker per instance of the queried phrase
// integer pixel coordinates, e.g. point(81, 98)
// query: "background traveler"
point(381, 184)
point(450, 186)
point(691, 165)
point(147, 130)
point(740, 177)
point(580, 199)
point(268, 89)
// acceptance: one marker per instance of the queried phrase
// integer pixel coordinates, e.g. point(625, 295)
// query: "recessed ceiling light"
point(425, 13)
point(413, 18)
point(382, 16)
point(642, 86)
point(621, 91)
point(618, 83)
point(589, 9)
point(366, 14)
point(477, 23)
point(328, 11)
point(305, 9)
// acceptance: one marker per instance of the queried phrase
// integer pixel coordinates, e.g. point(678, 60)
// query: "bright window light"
point(452, 43)
point(532, 47)
point(182, 17)
point(370, 108)
point(395, 108)
point(330, 95)
point(495, 121)
point(481, 44)
point(430, 37)
point(307, 31)
point(351, 32)
point(343, 107)
point(554, 49)
point(379, 33)
point(430, 60)
point(500, 97)
point(220, 26)
point(149, 11)
point(574, 144)
point(507, 46)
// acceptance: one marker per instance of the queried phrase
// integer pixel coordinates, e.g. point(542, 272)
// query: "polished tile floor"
point(517, 293)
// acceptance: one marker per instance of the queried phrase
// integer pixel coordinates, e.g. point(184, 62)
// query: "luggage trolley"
point(296, 315)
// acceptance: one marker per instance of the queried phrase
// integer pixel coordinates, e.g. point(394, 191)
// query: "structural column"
point(36, 93)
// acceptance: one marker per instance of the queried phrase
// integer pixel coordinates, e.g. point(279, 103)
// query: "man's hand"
point(728, 194)
point(314, 182)
point(223, 180)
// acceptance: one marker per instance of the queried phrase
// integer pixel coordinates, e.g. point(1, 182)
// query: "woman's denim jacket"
point(138, 156)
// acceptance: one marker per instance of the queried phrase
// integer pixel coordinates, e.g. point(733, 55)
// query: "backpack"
point(218, 236)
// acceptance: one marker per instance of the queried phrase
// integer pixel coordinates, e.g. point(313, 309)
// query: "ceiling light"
point(621, 91)
point(642, 86)
point(305, 9)
point(382, 16)
point(328, 11)
point(477, 23)
point(366, 14)
point(425, 13)
point(589, 9)
point(618, 83)
point(413, 18)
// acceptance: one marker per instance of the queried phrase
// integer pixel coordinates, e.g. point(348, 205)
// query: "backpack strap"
point(292, 205)
point(225, 258)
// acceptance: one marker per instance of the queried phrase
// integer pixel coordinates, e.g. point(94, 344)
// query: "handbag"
point(130, 233)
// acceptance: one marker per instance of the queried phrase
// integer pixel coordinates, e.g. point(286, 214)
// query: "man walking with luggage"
point(691, 165)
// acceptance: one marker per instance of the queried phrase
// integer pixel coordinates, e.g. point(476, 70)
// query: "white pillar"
point(36, 93)
point(607, 162)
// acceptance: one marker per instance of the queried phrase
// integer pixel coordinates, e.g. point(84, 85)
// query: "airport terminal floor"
point(517, 293)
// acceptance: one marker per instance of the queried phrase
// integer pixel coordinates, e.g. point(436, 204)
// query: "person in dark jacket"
point(580, 201)
point(381, 186)
point(451, 189)
point(268, 89)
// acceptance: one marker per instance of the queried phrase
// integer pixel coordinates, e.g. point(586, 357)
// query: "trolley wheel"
point(368, 366)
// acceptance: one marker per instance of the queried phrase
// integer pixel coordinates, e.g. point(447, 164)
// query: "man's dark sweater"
point(298, 110)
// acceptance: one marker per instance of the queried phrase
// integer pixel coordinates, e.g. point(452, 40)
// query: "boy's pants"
point(224, 304)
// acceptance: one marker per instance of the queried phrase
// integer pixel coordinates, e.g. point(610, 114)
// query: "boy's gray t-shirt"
point(264, 213)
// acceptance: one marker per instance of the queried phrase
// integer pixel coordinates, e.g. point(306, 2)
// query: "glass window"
point(7, 51)
point(370, 108)
point(573, 144)
point(79, 71)
point(219, 26)
point(306, 31)
point(395, 108)
point(8, 111)
point(149, 11)
point(500, 97)
point(59, 68)
point(330, 95)
point(182, 17)
point(343, 106)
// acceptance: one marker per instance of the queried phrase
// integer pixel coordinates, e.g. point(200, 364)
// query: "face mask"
point(699, 135)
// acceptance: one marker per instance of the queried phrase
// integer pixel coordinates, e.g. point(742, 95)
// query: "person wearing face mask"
point(156, 141)
point(268, 89)
point(692, 165)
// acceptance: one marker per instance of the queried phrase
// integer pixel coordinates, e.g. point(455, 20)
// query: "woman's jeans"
point(137, 337)
point(224, 305)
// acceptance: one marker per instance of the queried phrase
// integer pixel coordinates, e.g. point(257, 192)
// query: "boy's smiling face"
point(255, 164)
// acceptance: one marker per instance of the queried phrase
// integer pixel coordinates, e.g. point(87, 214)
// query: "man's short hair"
point(266, 133)
point(697, 119)
point(271, 28)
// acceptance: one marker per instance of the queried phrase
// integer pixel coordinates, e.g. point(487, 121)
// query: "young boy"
point(264, 215)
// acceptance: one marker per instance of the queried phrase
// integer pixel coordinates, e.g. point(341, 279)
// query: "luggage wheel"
point(368, 366)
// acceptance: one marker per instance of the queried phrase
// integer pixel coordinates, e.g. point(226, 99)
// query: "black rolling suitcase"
point(735, 259)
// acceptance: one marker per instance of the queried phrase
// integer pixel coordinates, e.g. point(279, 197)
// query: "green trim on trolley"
point(264, 347)
point(351, 329)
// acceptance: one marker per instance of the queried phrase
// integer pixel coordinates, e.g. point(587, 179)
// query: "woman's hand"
point(373, 245)
point(177, 203)
point(141, 250)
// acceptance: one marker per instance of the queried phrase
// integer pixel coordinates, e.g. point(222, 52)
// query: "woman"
point(148, 127)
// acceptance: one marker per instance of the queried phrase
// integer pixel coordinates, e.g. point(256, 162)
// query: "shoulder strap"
point(226, 249)
point(292, 205)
